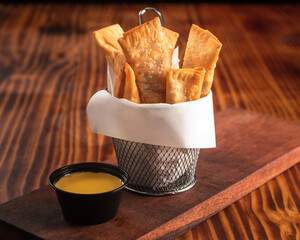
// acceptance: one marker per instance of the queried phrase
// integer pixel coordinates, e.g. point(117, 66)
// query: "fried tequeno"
point(171, 37)
point(124, 85)
point(148, 50)
point(107, 39)
point(131, 92)
point(202, 50)
point(183, 85)
point(119, 77)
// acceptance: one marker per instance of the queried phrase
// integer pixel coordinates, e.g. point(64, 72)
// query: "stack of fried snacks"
point(142, 62)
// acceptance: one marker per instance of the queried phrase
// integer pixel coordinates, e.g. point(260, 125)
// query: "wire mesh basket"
point(156, 170)
point(153, 169)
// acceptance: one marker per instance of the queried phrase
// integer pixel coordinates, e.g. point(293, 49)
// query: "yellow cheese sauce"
point(88, 182)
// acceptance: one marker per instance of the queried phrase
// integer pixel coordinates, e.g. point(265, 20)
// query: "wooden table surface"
point(50, 66)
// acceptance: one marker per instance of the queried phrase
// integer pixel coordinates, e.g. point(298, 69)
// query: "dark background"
point(150, 2)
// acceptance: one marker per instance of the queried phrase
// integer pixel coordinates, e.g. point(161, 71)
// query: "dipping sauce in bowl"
point(89, 182)
point(89, 193)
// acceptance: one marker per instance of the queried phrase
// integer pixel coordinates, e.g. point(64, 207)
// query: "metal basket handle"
point(151, 9)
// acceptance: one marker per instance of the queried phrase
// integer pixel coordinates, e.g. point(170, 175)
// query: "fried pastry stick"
point(202, 50)
point(119, 62)
point(124, 81)
point(131, 92)
point(148, 49)
point(183, 85)
point(107, 39)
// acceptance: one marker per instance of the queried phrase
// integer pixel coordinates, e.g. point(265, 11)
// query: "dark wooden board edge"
point(200, 213)
point(11, 232)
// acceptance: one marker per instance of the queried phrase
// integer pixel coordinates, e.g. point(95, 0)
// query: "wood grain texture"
point(50, 66)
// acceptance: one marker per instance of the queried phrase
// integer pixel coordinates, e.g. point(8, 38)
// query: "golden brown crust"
point(131, 92)
point(183, 85)
point(119, 78)
point(148, 51)
point(107, 39)
point(171, 37)
point(203, 50)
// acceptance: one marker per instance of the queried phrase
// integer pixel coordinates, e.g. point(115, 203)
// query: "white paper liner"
point(182, 125)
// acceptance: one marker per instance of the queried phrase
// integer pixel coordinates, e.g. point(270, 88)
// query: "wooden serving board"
point(251, 149)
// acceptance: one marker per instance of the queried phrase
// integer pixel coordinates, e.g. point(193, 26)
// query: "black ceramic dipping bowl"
point(88, 209)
